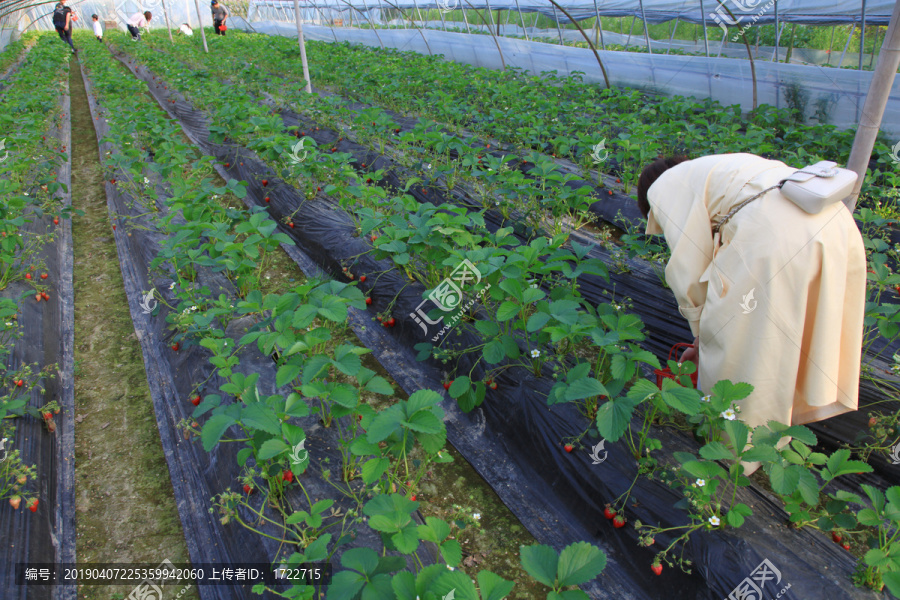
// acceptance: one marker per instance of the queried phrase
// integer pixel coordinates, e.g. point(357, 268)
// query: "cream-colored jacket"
point(780, 303)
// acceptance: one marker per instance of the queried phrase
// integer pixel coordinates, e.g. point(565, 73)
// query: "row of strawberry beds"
point(36, 332)
point(298, 325)
point(414, 160)
point(557, 115)
point(260, 128)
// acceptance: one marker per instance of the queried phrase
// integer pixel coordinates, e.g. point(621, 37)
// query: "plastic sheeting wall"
point(840, 92)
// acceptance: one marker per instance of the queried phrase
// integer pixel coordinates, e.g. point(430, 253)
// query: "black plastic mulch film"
point(558, 497)
point(172, 375)
point(47, 535)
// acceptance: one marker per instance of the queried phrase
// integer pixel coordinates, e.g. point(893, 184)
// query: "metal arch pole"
point(465, 20)
point(862, 35)
point(705, 33)
point(646, 28)
point(419, 12)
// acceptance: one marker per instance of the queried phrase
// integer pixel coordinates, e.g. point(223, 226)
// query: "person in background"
point(135, 23)
point(775, 296)
point(219, 14)
point(98, 30)
point(186, 29)
point(62, 21)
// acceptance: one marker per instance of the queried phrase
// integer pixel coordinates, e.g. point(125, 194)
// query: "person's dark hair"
point(148, 15)
point(95, 17)
point(649, 176)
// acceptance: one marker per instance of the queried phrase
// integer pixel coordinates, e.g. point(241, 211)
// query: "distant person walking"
point(136, 22)
point(62, 21)
point(219, 14)
point(98, 30)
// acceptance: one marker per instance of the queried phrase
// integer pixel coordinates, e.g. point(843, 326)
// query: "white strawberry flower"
point(729, 415)
point(535, 353)
point(477, 516)
point(706, 398)
point(172, 287)
point(146, 181)
point(700, 483)
point(714, 521)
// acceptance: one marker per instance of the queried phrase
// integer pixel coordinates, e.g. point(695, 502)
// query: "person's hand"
point(693, 353)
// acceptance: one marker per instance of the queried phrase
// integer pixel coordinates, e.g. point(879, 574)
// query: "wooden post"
point(646, 28)
point(705, 33)
point(875, 47)
point(876, 100)
point(524, 32)
point(862, 35)
point(558, 29)
point(846, 46)
point(672, 38)
point(302, 43)
point(166, 15)
point(599, 26)
point(200, 20)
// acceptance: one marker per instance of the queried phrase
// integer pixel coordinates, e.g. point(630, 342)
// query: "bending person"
point(136, 22)
point(776, 298)
point(219, 15)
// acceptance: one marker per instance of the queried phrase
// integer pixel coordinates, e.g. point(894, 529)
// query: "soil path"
point(123, 491)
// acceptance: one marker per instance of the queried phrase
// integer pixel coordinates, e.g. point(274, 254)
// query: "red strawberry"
point(291, 224)
point(390, 322)
point(618, 180)
point(318, 189)
point(15, 501)
point(619, 522)
point(364, 165)
point(45, 295)
point(20, 382)
point(265, 182)
point(413, 497)
point(362, 278)
point(44, 276)
point(379, 318)
point(267, 198)
point(846, 545)
point(195, 401)
point(569, 447)
point(374, 237)
point(448, 384)
point(873, 421)
point(288, 476)
point(493, 385)
point(656, 568)
point(27, 275)
point(247, 489)
point(397, 130)
point(33, 506)
point(112, 181)
point(114, 227)
point(48, 416)
point(610, 192)
point(368, 301)
point(56, 221)
point(227, 165)
point(836, 537)
point(176, 346)
point(369, 180)
point(37, 297)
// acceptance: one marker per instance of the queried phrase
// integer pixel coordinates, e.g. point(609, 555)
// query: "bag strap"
point(734, 210)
